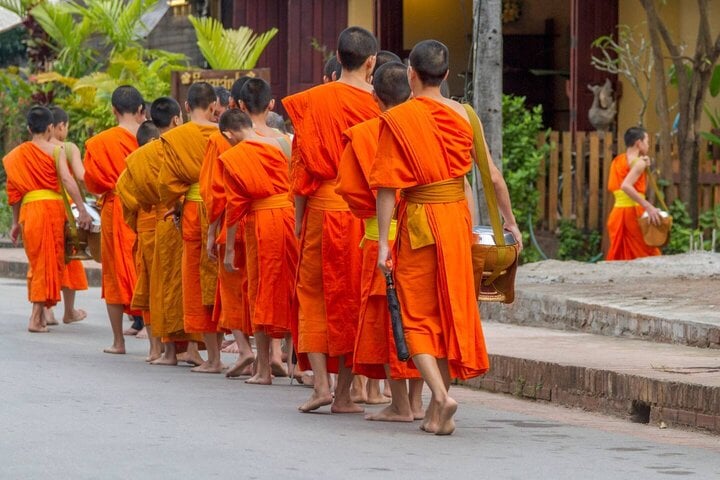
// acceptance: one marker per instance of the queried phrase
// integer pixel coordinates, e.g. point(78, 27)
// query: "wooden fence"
point(572, 180)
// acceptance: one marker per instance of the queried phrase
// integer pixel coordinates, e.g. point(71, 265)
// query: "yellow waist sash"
point(275, 201)
point(325, 198)
point(622, 199)
point(193, 193)
point(37, 195)
point(372, 230)
point(447, 191)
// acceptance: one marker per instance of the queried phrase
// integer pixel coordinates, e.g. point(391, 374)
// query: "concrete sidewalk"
point(14, 264)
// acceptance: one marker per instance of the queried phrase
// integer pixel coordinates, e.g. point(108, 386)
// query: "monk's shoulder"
point(369, 129)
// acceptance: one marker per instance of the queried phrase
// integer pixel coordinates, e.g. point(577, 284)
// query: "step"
point(667, 299)
point(14, 264)
point(644, 381)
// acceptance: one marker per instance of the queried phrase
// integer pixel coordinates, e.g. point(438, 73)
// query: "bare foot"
point(278, 369)
point(377, 400)
point(446, 422)
point(195, 359)
point(115, 350)
point(390, 414)
point(208, 368)
point(230, 348)
point(259, 380)
point(240, 367)
point(386, 389)
point(418, 414)
point(316, 401)
point(40, 329)
point(307, 379)
point(142, 334)
point(130, 332)
point(77, 315)
point(166, 361)
point(346, 407)
point(430, 421)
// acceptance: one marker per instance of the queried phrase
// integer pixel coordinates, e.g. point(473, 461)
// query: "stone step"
point(669, 299)
point(643, 381)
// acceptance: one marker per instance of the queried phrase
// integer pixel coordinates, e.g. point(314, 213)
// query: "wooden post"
point(567, 184)
point(553, 183)
point(594, 198)
point(580, 186)
point(541, 183)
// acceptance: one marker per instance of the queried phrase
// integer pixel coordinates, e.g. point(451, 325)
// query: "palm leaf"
point(18, 7)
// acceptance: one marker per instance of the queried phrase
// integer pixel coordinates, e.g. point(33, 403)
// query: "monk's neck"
point(201, 117)
point(250, 134)
point(44, 141)
point(429, 92)
point(356, 78)
point(129, 123)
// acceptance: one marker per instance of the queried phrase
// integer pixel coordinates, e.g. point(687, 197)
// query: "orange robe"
point(183, 152)
point(424, 142)
point(328, 280)
point(74, 276)
point(256, 182)
point(231, 310)
point(30, 169)
point(163, 255)
point(626, 240)
point(105, 155)
point(374, 344)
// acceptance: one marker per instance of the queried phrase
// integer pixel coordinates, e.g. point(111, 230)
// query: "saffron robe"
point(374, 344)
point(328, 280)
point(256, 182)
point(42, 221)
point(105, 155)
point(74, 276)
point(183, 152)
point(626, 240)
point(422, 142)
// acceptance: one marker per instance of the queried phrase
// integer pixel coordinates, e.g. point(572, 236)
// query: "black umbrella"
point(396, 319)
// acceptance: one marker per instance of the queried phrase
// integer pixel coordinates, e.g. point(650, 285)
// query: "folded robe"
point(30, 169)
point(422, 142)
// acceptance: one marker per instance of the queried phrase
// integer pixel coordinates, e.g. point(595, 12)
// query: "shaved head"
point(383, 57)
point(430, 59)
point(201, 95)
point(147, 132)
point(332, 66)
point(355, 46)
point(390, 83)
point(234, 121)
point(163, 110)
point(127, 99)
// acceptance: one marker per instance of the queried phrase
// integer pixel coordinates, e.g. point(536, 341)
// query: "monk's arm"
point(211, 246)
point(628, 186)
point(229, 260)
point(300, 202)
point(503, 199)
point(471, 202)
point(385, 206)
point(84, 220)
point(15, 230)
point(76, 164)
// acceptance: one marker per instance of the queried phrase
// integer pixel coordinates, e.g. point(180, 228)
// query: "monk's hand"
point(15, 233)
point(229, 261)
point(173, 213)
point(211, 247)
point(513, 228)
point(84, 220)
point(654, 215)
point(384, 259)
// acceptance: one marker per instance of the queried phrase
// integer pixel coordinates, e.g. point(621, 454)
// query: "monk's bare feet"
point(240, 367)
point(340, 406)
point(386, 389)
point(38, 329)
point(358, 393)
point(49, 317)
point(446, 420)
point(115, 350)
point(316, 401)
point(207, 367)
point(76, 316)
point(151, 358)
point(377, 400)
point(169, 360)
point(390, 414)
point(307, 379)
point(430, 421)
point(130, 332)
point(193, 359)
point(142, 334)
point(278, 369)
point(259, 379)
point(418, 413)
point(232, 347)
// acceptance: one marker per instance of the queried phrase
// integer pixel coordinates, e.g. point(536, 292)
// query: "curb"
point(562, 313)
point(640, 399)
point(15, 269)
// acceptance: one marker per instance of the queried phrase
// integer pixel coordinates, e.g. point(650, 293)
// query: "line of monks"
point(224, 224)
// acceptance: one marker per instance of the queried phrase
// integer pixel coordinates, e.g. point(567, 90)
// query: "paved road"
point(71, 412)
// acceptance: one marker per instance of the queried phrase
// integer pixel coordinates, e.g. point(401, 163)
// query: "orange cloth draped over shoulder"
point(256, 182)
point(626, 240)
point(328, 280)
point(163, 262)
point(231, 310)
point(374, 344)
point(183, 153)
point(42, 219)
point(423, 142)
point(105, 155)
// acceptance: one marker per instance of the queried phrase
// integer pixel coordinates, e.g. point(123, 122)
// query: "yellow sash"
point(623, 200)
point(325, 198)
point(447, 191)
point(275, 201)
point(193, 193)
point(37, 195)
point(372, 230)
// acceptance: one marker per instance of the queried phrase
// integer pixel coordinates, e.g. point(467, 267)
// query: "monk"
point(35, 194)
point(328, 284)
point(424, 150)
point(628, 183)
point(74, 278)
point(105, 155)
point(223, 102)
point(375, 353)
point(256, 183)
point(331, 70)
point(183, 152)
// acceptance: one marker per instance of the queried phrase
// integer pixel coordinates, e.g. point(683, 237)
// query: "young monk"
point(628, 183)
point(424, 149)
point(223, 102)
point(256, 183)
point(105, 155)
point(331, 70)
point(74, 278)
point(328, 285)
point(34, 192)
point(375, 353)
point(183, 152)
point(163, 256)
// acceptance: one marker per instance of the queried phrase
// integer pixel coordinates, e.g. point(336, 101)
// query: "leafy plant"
point(576, 244)
point(229, 49)
point(15, 98)
point(681, 229)
point(713, 115)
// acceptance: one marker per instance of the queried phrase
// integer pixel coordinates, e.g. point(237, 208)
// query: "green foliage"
point(521, 160)
point(5, 213)
point(575, 244)
point(229, 49)
point(682, 228)
point(12, 48)
point(15, 98)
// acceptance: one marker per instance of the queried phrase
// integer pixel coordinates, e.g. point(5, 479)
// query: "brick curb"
point(630, 396)
point(562, 313)
point(15, 269)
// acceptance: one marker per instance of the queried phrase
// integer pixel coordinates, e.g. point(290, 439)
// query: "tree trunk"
point(487, 84)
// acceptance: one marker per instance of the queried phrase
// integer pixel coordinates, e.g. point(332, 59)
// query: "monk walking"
point(183, 152)
point(105, 155)
point(256, 182)
point(424, 150)
point(34, 192)
point(328, 285)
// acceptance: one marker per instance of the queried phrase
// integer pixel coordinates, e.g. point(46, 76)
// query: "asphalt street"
point(71, 412)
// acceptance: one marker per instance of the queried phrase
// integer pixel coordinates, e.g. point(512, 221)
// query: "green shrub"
point(576, 244)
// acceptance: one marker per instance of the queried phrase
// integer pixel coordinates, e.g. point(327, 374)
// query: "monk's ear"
point(446, 74)
point(187, 106)
point(271, 105)
point(370, 62)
